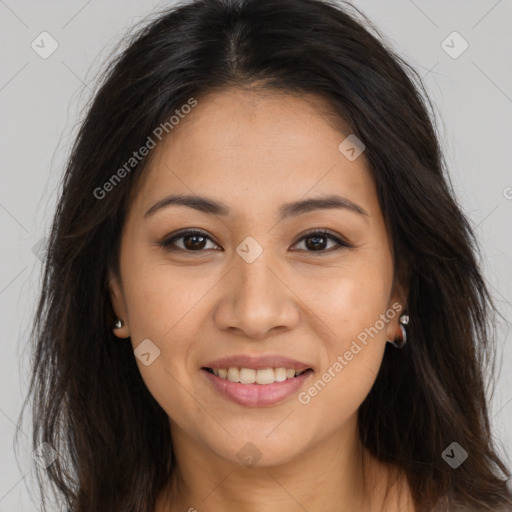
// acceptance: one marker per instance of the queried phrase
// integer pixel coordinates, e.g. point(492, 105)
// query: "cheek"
point(167, 306)
point(356, 305)
point(162, 313)
point(163, 300)
point(352, 353)
point(350, 298)
point(355, 308)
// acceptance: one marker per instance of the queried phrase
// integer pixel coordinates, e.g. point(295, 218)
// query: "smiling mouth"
point(263, 376)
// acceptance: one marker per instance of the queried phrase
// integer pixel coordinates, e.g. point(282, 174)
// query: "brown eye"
point(197, 241)
point(190, 241)
point(317, 241)
point(193, 242)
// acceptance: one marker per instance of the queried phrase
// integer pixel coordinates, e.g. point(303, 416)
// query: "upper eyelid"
point(181, 234)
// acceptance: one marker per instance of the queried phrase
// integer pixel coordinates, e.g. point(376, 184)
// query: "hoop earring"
point(404, 320)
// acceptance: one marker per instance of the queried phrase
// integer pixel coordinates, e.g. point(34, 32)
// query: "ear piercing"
point(404, 320)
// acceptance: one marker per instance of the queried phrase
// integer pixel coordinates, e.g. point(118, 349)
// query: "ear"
point(118, 305)
point(398, 305)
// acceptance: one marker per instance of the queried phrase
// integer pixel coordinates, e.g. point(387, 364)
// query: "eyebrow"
point(213, 207)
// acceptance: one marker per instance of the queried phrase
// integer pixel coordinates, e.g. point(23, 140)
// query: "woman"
point(260, 293)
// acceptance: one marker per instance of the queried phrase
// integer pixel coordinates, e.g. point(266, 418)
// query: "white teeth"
point(233, 374)
point(280, 374)
point(265, 376)
point(251, 376)
point(247, 375)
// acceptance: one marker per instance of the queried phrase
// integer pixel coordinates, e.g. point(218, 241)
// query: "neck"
point(337, 475)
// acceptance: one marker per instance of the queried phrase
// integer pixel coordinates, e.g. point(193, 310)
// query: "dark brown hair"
point(88, 399)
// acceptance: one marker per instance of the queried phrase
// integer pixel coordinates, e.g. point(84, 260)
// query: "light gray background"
point(40, 103)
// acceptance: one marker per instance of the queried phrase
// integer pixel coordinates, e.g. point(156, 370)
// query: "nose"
point(256, 299)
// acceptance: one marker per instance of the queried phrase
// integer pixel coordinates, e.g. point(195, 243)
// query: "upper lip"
point(257, 362)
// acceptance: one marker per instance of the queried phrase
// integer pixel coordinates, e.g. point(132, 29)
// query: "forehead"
point(236, 144)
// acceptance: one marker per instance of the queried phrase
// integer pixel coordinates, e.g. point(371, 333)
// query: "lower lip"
point(256, 395)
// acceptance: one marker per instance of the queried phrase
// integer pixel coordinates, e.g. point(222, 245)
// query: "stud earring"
point(119, 323)
point(404, 320)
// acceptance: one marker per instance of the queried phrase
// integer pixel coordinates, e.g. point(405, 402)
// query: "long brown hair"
point(89, 401)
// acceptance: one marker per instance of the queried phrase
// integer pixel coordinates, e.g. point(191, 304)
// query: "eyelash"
point(167, 243)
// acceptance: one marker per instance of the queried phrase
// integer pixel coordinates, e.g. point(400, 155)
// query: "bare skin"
point(255, 152)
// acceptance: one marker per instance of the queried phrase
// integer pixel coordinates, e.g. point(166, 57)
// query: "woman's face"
point(251, 286)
